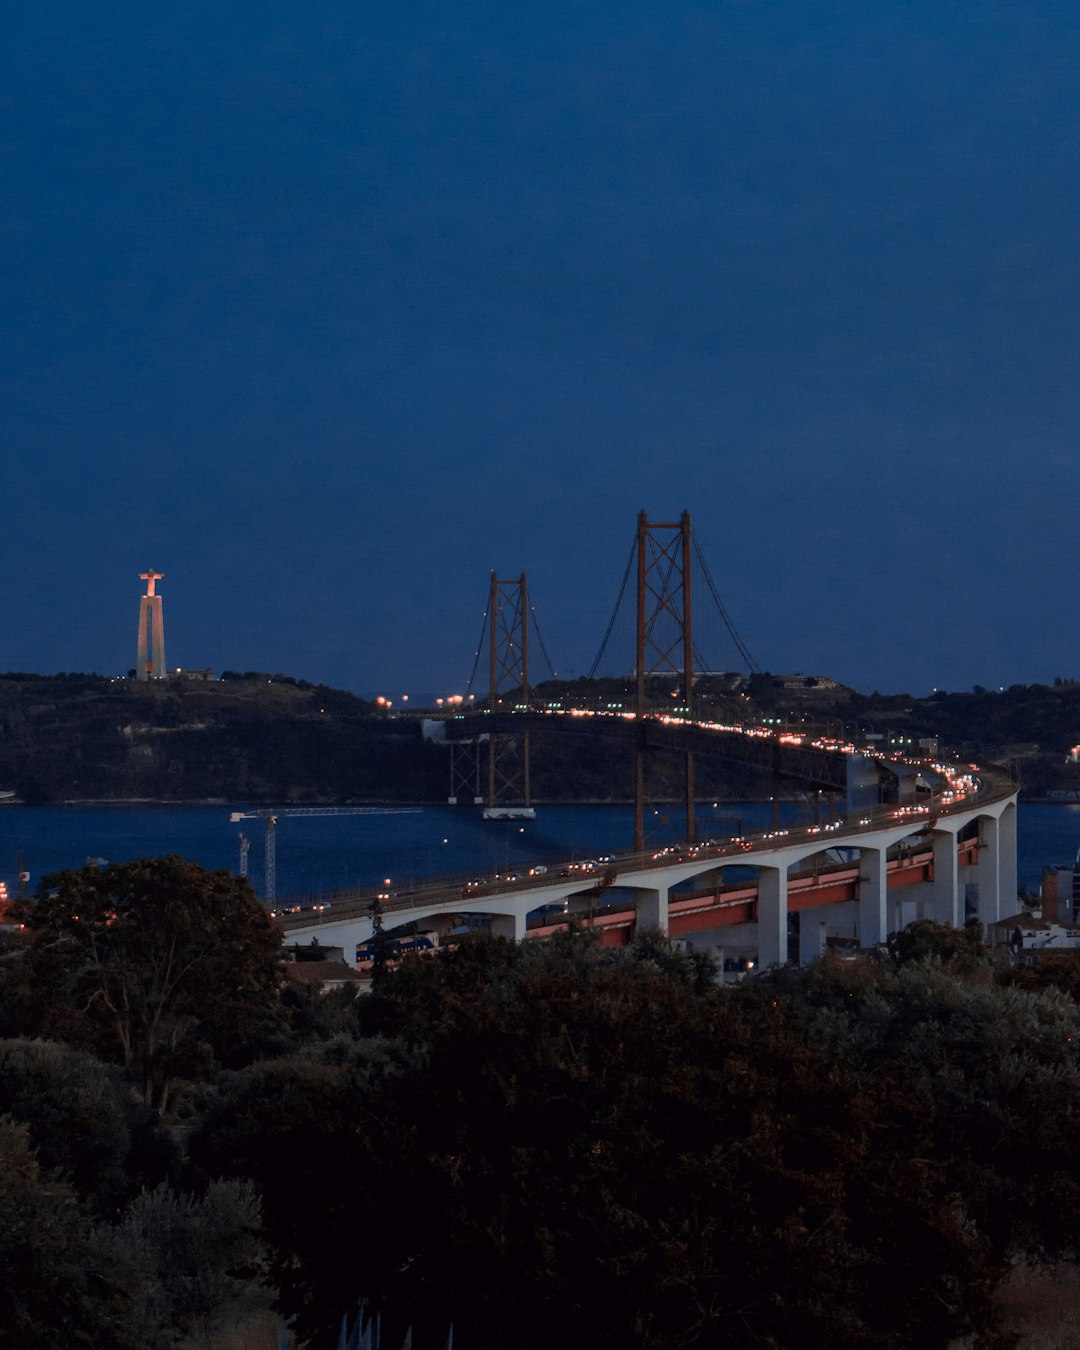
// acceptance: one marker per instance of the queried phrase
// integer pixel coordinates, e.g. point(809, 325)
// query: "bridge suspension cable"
point(615, 611)
point(540, 638)
point(740, 645)
point(476, 654)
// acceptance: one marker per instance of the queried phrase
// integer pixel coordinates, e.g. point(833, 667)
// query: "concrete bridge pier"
point(873, 897)
point(348, 937)
point(816, 925)
point(948, 897)
point(812, 933)
point(772, 916)
point(509, 926)
point(987, 871)
point(905, 908)
point(736, 941)
point(1007, 861)
point(652, 909)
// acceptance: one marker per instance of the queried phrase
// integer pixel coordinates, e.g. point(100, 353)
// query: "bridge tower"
point(150, 662)
point(665, 644)
point(508, 673)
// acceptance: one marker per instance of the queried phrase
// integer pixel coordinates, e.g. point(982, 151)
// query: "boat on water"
point(509, 813)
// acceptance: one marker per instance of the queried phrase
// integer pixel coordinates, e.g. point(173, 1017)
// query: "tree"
point(158, 963)
point(563, 1142)
point(64, 1283)
point(924, 940)
point(200, 1258)
point(77, 1113)
point(985, 1087)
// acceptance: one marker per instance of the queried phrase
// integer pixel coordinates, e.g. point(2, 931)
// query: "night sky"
point(325, 310)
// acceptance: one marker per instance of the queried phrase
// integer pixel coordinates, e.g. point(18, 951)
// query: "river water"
point(324, 853)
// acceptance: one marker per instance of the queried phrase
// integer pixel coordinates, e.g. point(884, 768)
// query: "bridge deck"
point(451, 896)
point(781, 756)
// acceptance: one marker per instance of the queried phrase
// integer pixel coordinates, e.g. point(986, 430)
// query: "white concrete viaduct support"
point(948, 898)
point(811, 934)
point(873, 897)
point(904, 907)
point(652, 910)
point(815, 926)
point(772, 917)
point(988, 871)
point(1007, 860)
point(346, 936)
point(509, 926)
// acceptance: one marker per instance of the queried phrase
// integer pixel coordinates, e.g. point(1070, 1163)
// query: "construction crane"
point(271, 815)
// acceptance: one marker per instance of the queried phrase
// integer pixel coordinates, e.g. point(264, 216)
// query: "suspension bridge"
point(905, 837)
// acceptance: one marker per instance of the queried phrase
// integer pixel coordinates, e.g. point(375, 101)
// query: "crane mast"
point(271, 815)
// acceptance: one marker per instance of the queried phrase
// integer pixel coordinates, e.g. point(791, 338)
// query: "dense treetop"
point(533, 1143)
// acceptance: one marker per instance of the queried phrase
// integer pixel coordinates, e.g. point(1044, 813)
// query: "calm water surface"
point(324, 853)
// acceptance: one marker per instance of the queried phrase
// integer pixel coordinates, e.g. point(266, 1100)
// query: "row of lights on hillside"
point(450, 701)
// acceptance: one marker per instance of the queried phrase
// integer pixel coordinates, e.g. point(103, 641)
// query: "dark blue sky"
point(327, 309)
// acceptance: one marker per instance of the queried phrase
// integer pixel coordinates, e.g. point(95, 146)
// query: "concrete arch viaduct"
point(946, 848)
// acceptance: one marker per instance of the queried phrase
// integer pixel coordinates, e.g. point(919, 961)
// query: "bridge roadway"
point(936, 859)
point(788, 756)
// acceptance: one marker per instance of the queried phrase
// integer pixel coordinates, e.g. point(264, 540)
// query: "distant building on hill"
point(802, 686)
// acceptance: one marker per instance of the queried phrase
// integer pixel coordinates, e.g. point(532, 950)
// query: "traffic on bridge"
point(946, 848)
point(905, 837)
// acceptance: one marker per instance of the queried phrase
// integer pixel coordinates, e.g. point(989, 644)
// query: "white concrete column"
point(652, 910)
point(346, 936)
point(873, 897)
point(903, 908)
point(772, 917)
point(948, 898)
point(1007, 883)
point(509, 926)
point(811, 934)
point(987, 871)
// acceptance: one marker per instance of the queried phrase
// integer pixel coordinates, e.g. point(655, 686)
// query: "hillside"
point(76, 737)
point(259, 738)
point(1032, 726)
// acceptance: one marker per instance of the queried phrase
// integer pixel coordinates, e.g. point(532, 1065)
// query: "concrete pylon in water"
point(150, 663)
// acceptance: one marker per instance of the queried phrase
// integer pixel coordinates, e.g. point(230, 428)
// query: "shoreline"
point(239, 803)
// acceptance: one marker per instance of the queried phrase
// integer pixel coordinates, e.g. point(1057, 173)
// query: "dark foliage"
point(82, 1122)
point(558, 1141)
point(540, 1143)
point(159, 964)
point(64, 1284)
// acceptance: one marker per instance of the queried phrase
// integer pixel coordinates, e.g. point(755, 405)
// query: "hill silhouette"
point(272, 738)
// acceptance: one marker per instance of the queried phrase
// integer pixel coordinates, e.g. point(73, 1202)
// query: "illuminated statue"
point(150, 664)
